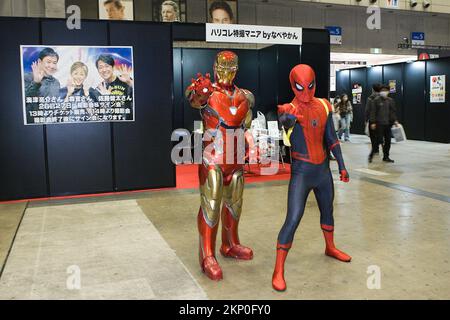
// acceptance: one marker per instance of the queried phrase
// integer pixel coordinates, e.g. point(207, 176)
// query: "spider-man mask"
point(303, 82)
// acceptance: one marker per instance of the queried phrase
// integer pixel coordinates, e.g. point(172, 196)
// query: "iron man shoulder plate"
point(251, 103)
point(250, 97)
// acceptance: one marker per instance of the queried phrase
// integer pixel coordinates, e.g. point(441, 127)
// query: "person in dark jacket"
point(372, 133)
point(112, 84)
point(382, 116)
point(41, 82)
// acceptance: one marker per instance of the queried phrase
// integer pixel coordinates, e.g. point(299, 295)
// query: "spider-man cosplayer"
point(309, 125)
point(222, 106)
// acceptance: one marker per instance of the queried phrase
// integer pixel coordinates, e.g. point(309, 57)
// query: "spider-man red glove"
point(344, 175)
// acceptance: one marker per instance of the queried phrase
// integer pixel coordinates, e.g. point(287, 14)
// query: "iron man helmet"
point(225, 67)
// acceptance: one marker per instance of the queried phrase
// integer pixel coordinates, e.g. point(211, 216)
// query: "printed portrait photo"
point(115, 9)
point(222, 12)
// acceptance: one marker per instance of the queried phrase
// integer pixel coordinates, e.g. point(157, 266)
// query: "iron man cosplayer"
point(222, 106)
point(310, 130)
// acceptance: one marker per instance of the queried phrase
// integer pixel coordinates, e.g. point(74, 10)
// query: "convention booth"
point(47, 160)
point(419, 89)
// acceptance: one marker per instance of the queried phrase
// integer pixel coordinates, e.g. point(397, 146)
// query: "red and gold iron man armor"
point(222, 106)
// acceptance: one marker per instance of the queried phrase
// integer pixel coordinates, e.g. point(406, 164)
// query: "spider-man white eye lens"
point(205, 90)
point(311, 85)
point(299, 87)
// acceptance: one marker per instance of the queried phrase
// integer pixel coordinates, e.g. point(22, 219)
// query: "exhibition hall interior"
point(225, 150)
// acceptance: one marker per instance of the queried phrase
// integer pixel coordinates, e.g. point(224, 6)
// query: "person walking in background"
point(372, 133)
point(382, 116)
point(336, 116)
point(345, 111)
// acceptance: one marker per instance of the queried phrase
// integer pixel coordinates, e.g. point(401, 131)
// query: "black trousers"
point(373, 140)
point(383, 136)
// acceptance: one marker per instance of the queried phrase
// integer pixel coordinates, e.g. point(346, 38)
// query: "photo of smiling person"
point(169, 10)
point(112, 84)
point(116, 9)
point(76, 85)
point(222, 12)
point(40, 82)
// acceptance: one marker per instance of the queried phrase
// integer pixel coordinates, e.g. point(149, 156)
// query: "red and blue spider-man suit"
point(308, 121)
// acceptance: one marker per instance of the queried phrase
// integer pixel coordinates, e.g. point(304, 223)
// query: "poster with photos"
point(77, 84)
point(116, 9)
point(222, 11)
point(437, 89)
point(392, 86)
point(357, 91)
point(169, 10)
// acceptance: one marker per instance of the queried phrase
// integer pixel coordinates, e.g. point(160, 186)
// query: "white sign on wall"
point(437, 89)
point(241, 33)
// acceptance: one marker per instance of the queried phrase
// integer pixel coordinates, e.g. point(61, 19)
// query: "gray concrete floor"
point(392, 216)
point(102, 250)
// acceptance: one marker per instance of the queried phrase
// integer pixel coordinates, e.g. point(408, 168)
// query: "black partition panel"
point(178, 103)
point(315, 51)
point(358, 76)
point(288, 57)
point(194, 61)
point(393, 75)
point(22, 148)
point(79, 155)
point(318, 57)
point(414, 100)
point(342, 82)
point(437, 114)
point(142, 148)
point(268, 75)
point(374, 75)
